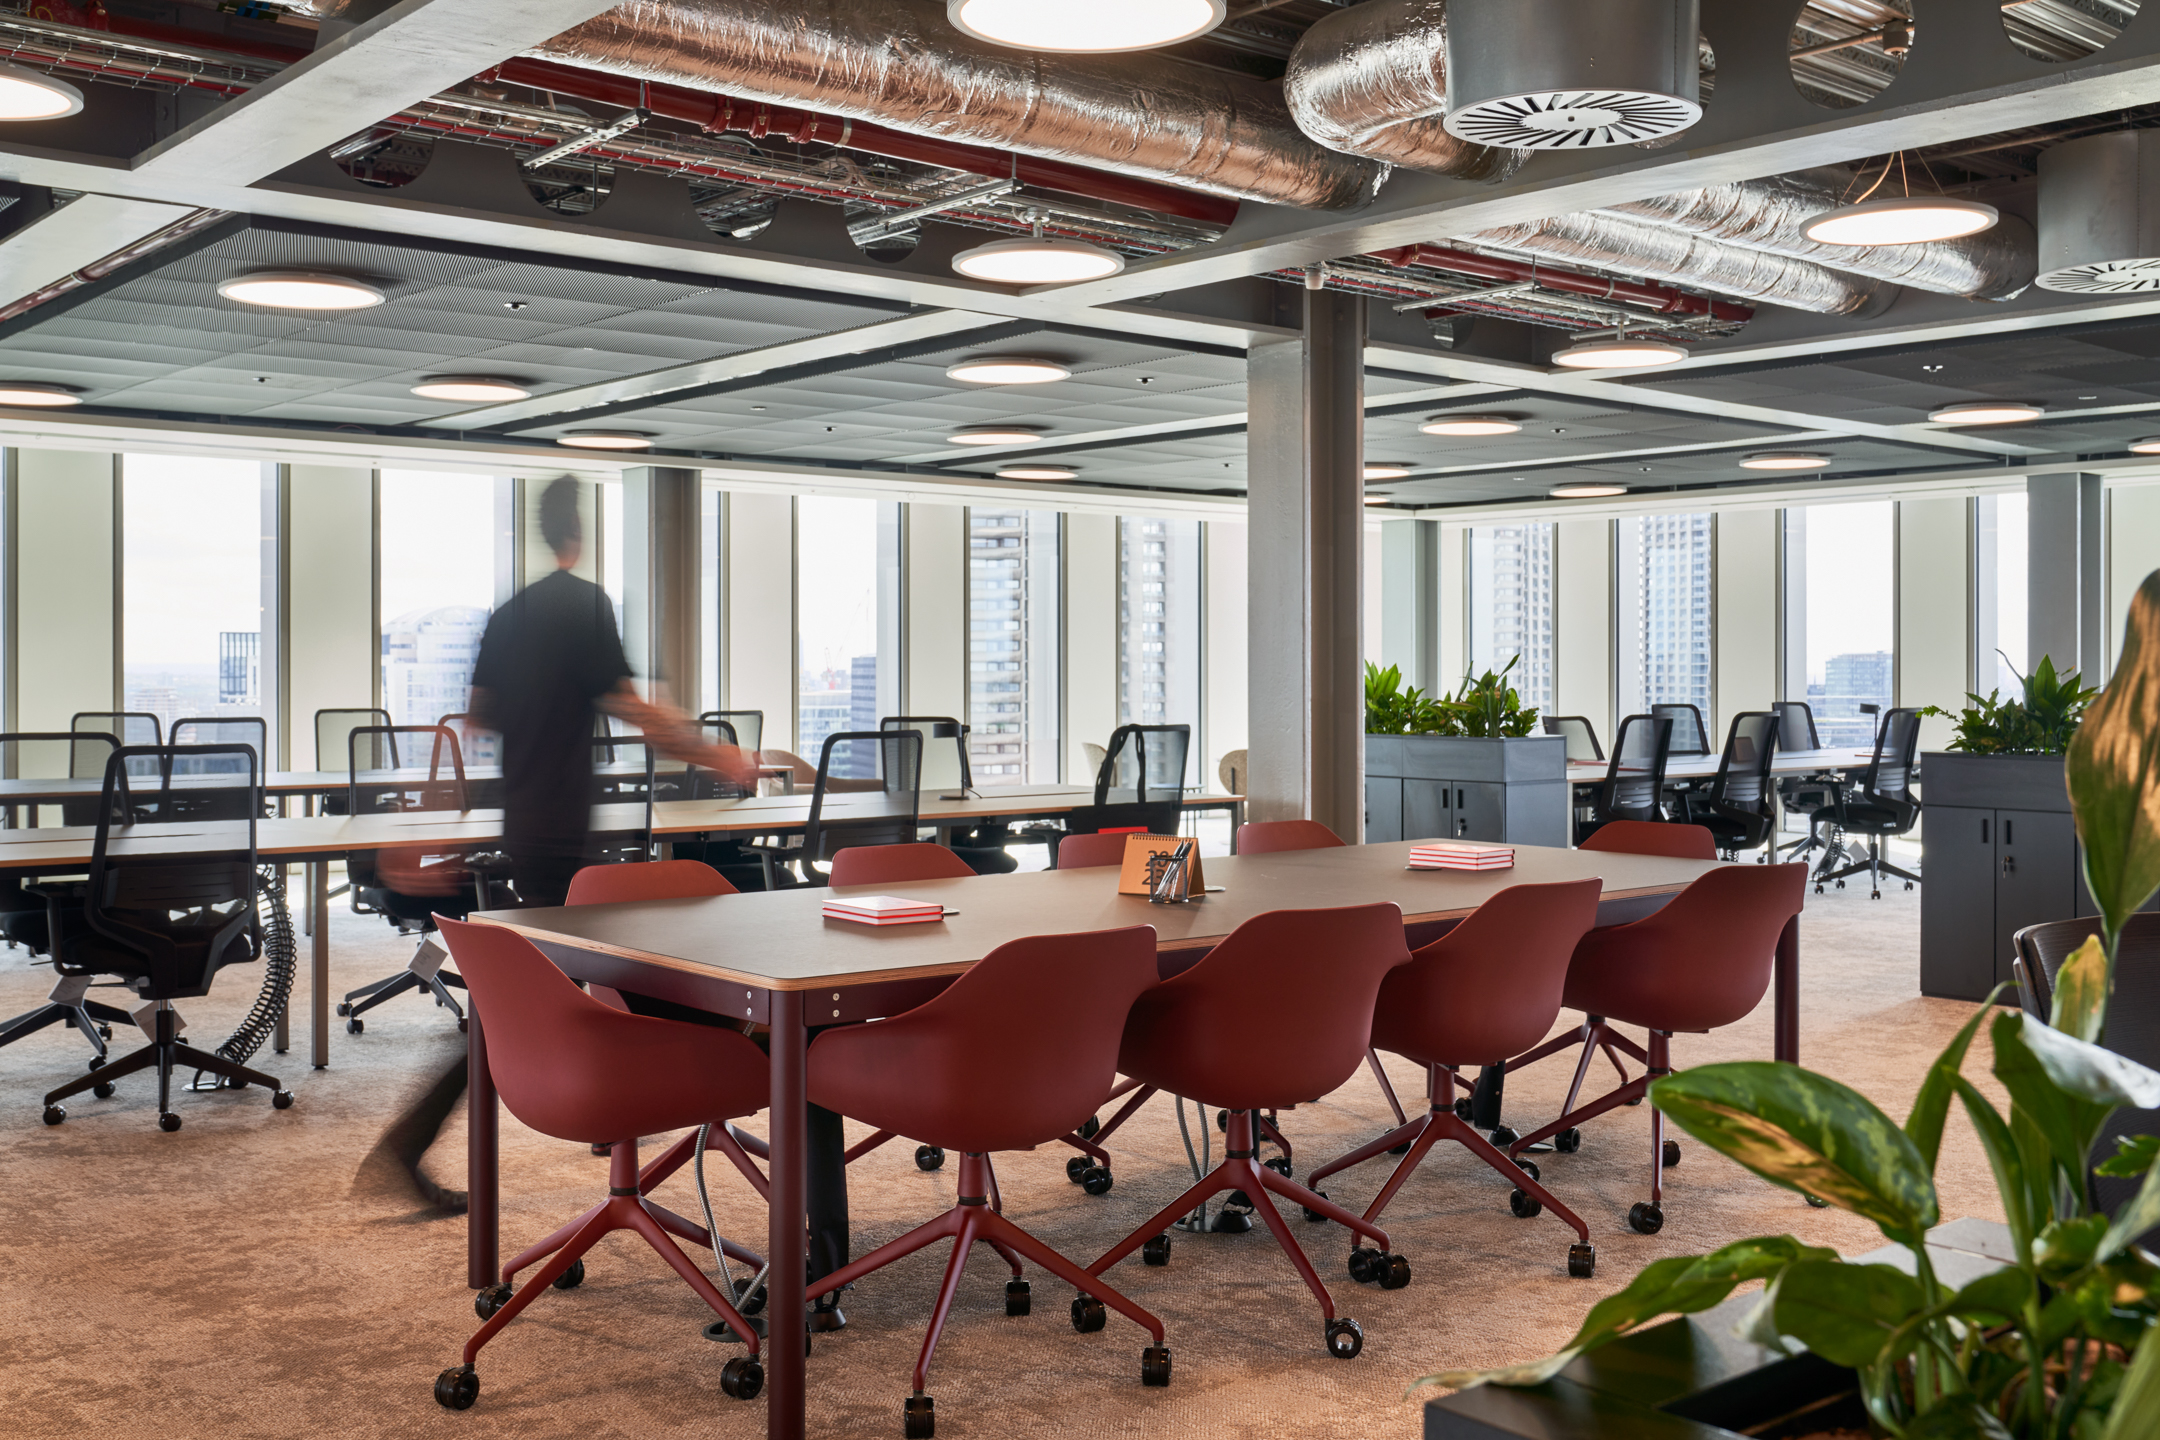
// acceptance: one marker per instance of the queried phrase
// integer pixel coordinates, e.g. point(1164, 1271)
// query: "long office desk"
point(771, 958)
point(1704, 767)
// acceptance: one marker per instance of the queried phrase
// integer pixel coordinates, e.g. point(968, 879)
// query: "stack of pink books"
point(1461, 855)
point(882, 910)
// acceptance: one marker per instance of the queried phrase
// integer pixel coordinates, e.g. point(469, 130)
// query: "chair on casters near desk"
point(1880, 806)
point(1689, 735)
point(1739, 808)
point(975, 1070)
point(1139, 785)
point(121, 920)
point(899, 780)
point(1634, 783)
point(333, 746)
point(981, 846)
point(1580, 734)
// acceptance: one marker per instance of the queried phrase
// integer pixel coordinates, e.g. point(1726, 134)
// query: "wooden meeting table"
point(772, 959)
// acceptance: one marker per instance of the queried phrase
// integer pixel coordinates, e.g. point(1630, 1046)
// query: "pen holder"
point(1172, 884)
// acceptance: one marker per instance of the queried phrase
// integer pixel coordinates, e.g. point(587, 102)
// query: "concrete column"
point(1224, 680)
point(662, 629)
point(1306, 532)
point(2133, 553)
point(1090, 612)
point(1410, 600)
point(333, 645)
point(1934, 663)
point(760, 583)
point(2065, 618)
point(64, 647)
point(1582, 621)
point(1747, 615)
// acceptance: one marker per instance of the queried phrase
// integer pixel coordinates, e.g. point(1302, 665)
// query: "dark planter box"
point(1692, 1379)
point(1429, 787)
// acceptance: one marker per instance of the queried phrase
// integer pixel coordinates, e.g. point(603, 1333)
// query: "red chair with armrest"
point(975, 1070)
point(1092, 850)
point(1272, 837)
point(893, 864)
point(570, 1067)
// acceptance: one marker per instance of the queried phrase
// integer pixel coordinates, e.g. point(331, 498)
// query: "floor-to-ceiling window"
point(437, 584)
point(1511, 606)
point(2000, 559)
point(1841, 616)
point(1013, 651)
point(843, 551)
point(1159, 622)
point(192, 588)
point(1666, 614)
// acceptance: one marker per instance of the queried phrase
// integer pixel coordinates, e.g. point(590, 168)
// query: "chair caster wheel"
point(97, 1062)
point(1157, 1250)
point(1345, 1338)
point(929, 1157)
point(1669, 1156)
point(1816, 1202)
point(573, 1277)
point(1524, 1204)
point(457, 1388)
point(1581, 1261)
point(1645, 1219)
point(1504, 1136)
point(1840, 884)
point(490, 1300)
point(1097, 1180)
point(168, 1122)
point(461, 1025)
point(1088, 1314)
point(1018, 1298)
point(1908, 884)
point(1280, 1165)
point(104, 1090)
point(1155, 1366)
point(1383, 1268)
point(54, 1114)
point(281, 1099)
point(1568, 1141)
point(919, 1420)
point(748, 1301)
point(1402, 1149)
point(1462, 1108)
point(1528, 1167)
point(1363, 1265)
point(1222, 1121)
point(1078, 1166)
point(1091, 1127)
point(343, 1010)
point(355, 1026)
point(741, 1378)
point(1314, 1215)
point(105, 1031)
point(1818, 889)
point(1637, 1100)
point(1874, 895)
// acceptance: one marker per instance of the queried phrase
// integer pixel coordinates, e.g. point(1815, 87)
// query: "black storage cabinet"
point(1433, 787)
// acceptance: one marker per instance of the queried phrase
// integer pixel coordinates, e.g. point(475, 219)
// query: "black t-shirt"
point(546, 657)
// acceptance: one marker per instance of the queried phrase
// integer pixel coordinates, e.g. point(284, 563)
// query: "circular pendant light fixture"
point(36, 393)
point(1987, 412)
point(1007, 370)
point(300, 290)
point(1038, 260)
point(1469, 425)
point(1901, 220)
point(995, 435)
point(33, 95)
point(606, 440)
point(1099, 27)
point(2150, 445)
point(1387, 470)
point(1585, 491)
point(1038, 472)
point(1379, 497)
point(1618, 353)
point(1784, 460)
point(475, 388)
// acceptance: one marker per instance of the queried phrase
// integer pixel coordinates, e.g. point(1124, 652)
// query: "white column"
point(65, 649)
point(1934, 610)
point(1223, 684)
point(1582, 622)
point(333, 646)
point(1410, 600)
point(1452, 615)
point(935, 681)
point(760, 584)
point(1091, 639)
point(2065, 572)
point(660, 584)
point(2133, 553)
point(1747, 616)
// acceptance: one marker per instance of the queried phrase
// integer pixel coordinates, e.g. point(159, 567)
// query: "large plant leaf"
point(1931, 1107)
point(1808, 1133)
point(2081, 992)
point(2088, 1071)
point(2065, 1087)
point(2004, 1159)
point(2113, 770)
point(1845, 1313)
point(2135, 1218)
point(1680, 1285)
point(2134, 1155)
point(2135, 1414)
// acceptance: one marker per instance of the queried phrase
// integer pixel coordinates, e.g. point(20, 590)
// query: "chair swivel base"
point(93, 1019)
point(1644, 1218)
point(358, 1002)
point(1874, 867)
point(165, 1054)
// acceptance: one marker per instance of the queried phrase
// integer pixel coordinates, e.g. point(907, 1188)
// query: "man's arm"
point(677, 736)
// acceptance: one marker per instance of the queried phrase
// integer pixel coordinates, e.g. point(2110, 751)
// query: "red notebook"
point(883, 910)
point(1461, 855)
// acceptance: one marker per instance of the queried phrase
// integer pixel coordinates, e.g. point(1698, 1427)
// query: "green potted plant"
point(1466, 765)
point(2056, 1341)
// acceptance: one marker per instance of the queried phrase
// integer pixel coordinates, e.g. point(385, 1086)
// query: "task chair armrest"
point(57, 897)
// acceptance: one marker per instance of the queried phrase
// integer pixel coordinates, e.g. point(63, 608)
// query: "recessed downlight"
point(606, 440)
point(1987, 412)
point(1007, 370)
point(1387, 470)
point(1621, 354)
point(2150, 445)
point(1100, 27)
point(32, 95)
point(1785, 460)
point(1901, 220)
point(995, 435)
point(1378, 497)
point(1470, 425)
point(1585, 492)
point(301, 290)
point(474, 388)
point(1043, 260)
point(1038, 472)
point(17, 392)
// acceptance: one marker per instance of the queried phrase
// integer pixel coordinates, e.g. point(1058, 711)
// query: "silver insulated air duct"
point(1372, 81)
point(1572, 74)
point(1770, 215)
point(2100, 214)
point(900, 63)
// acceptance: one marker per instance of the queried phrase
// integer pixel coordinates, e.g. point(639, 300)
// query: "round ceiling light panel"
point(1387, 470)
point(1619, 354)
point(1562, 75)
point(605, 440)
point(1007, 370)
point(35, 393)
point(1470, 425)
point(477, 389)
point(33, 95)
point(1037, 472)
point(1585, 492)
point(1987, 412)
point(2150, 445)
point(1100, 27)
point(1901, 220)
point(300, 290)
point(995, 435)
point(1044, 260)
point(1785, 460)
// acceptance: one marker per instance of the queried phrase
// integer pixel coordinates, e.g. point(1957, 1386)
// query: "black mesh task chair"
point(1738, 807)
point(623, 775)
point(2133, 1021)
point(165, 924)
point(134, 727)
point(1140, 784)
point(1634, 784)
point(1801, 794)
point(1581, 736)
point(22, 915)
point(1880, 806)
point(747, 725)
point(948, 770)
point(888, 815)
point(202, 730)
point(408, 885)
point(730, 856)
point(333, 747)
point(1689, 735)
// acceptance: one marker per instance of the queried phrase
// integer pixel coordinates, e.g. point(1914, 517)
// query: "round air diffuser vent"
point(1561, 74)
point(2100, 214)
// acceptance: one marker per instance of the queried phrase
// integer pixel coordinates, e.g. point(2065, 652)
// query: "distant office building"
point(163, 701)
point(1850, 681)
point(427, 662)
point(1159, 622)
point(240, 668)
point(825, 706)
point(1511, 587)
point(1012, 646)
point(1673, 572)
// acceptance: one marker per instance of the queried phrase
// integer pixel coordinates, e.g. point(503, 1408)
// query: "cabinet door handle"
point(1983, 832)
point(1462, 828)
point(2006, 833)
point(2009, 864)
point(1458, 800)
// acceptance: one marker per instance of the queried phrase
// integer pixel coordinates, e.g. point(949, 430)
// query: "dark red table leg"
point(785, 1246)
point(1785, 986)
point(483, 1160)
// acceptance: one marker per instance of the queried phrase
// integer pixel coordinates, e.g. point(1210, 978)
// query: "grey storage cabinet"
point(1430, 787)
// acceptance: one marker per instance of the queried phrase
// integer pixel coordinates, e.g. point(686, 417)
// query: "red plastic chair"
point(977, 1069)
point(890, 864)
point(1086, 852)
point(1270, 837)
point(1648, 837)
point(1485, 989)
point(1702, 961)
point(1215, 1034)
point(570, 1067)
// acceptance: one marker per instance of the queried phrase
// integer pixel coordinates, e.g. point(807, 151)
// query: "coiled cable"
point(280, 963)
